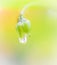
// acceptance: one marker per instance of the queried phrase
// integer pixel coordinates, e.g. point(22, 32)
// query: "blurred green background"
point(43, 31)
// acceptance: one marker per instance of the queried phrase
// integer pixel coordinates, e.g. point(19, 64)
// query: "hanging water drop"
point(23, 40)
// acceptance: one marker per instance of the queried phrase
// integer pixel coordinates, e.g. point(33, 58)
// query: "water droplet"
point(23, 40)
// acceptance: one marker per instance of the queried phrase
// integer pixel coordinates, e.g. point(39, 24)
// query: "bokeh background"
point(42, 44)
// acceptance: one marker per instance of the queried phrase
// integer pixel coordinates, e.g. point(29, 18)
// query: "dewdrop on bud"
point(23, 28)
point(23, 40)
